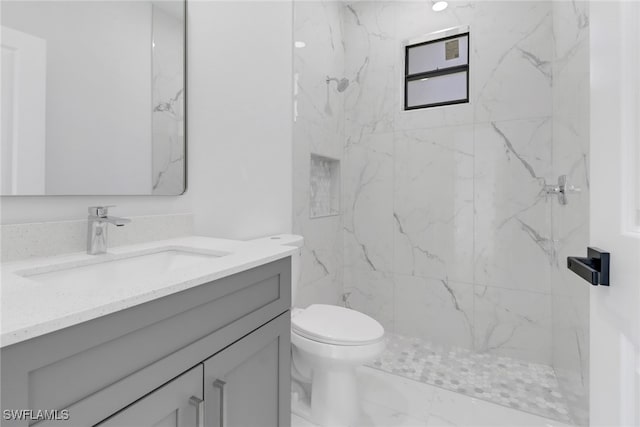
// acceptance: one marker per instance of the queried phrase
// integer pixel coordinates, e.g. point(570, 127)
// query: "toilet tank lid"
point(281, 239)
point(332, 324)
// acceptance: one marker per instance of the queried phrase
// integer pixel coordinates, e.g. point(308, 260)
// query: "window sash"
point(462, 66)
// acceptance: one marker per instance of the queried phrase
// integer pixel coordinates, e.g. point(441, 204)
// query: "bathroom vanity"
point(207, 344)
point(188, 332)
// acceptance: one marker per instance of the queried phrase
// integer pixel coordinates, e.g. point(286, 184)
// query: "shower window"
point(437, 72)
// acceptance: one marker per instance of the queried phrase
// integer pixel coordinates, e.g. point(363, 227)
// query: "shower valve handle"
point(561, 189)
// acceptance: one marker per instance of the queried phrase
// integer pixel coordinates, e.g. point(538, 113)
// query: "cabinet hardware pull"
point(198, 403)
point(220, 385)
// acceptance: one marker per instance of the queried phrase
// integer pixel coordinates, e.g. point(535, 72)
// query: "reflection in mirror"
point(93, 98)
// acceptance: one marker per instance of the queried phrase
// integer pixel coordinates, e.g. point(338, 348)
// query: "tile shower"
point(443, 232)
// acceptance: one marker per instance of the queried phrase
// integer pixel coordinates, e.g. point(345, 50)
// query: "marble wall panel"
point(467, 203)
point(370, 52)
point(513, 56)
point(443, 213)
point(368, 204)
point(437, 310)
point(513, 244)
point(513, 323)
point(318, 129)
point(433, 203)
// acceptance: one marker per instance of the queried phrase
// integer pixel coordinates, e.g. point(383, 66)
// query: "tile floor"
point(526, 386)
point(393, 401)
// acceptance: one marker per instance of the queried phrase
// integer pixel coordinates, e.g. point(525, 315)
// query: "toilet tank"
point(288, 240)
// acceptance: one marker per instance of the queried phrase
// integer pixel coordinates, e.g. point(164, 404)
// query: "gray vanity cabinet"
point(176, 404)
point(244, 385)
point(142, 366)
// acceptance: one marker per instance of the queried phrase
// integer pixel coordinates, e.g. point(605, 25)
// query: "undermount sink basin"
point(122, 268)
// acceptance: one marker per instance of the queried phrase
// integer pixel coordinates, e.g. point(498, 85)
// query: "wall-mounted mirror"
point(93, 97)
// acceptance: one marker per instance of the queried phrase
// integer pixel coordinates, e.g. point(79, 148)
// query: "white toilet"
point(328, 344)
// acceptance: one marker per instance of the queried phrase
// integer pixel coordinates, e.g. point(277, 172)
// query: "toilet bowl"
point(328, 344)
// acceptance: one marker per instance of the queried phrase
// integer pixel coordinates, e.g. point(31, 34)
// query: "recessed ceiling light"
point(299, 44)
point(439, 6)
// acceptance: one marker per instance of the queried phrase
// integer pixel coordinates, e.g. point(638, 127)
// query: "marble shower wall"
point(570, 294)
point(444, 231)
point(318, 129)
point(447, 233)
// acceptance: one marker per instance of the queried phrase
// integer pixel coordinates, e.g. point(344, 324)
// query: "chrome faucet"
point(97, 228)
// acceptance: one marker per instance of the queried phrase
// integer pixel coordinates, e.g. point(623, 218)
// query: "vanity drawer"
point(172, 334)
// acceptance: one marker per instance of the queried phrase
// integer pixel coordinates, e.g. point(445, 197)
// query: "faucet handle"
point(100, 211)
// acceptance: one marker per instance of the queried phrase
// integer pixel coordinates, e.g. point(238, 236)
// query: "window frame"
point(437, 72)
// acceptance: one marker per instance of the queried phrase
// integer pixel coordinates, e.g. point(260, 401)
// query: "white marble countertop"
point(31, 308)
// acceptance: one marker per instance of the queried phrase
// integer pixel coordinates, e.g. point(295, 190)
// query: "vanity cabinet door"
point(248, 384)
point(176, 404)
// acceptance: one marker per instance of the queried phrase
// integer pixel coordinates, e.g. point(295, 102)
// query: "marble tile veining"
point(525, 386)
point(513, 323)
point(318, 129)
point(436, 302)
point(443, 212)
point(433, 203)
point(513, 245)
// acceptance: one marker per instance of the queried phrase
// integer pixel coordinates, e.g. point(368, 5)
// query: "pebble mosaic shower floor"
point(526, 386)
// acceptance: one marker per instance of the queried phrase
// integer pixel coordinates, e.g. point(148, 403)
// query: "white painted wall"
point(239, 117)
point(239, 129)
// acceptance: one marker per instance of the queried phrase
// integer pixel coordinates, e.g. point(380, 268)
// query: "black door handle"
point(594, 269)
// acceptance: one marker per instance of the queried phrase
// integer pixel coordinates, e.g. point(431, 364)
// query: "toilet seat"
point(338, 354)
point(331, 324)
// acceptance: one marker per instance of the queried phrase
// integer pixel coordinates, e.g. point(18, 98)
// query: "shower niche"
point(324, 186)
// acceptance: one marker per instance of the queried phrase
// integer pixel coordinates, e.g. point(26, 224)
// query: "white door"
point(22, 144)
point(615, 211)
